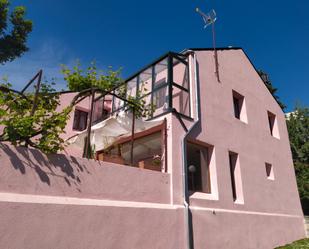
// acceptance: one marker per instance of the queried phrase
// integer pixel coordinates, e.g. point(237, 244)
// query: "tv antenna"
point(210, 19)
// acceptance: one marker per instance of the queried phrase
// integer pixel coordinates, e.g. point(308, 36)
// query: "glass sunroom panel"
point(180, 73)
point(145, 81)
point(160, 100)
point(181, 101)
point(131, 87)
point(160, 73)
point(117, 102)
point(147, 152)
point(147, 103)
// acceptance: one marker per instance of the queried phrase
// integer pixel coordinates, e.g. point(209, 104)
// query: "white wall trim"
point(221, 210)
point(61, 200)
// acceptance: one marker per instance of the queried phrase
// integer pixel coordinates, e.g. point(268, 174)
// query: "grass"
point(299, 244)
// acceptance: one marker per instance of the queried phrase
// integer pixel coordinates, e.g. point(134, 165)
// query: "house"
point(211, 165)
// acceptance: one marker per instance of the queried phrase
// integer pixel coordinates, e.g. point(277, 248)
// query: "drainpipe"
point(188, 218)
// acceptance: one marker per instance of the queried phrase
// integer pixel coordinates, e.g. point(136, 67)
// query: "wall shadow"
point(45, 166)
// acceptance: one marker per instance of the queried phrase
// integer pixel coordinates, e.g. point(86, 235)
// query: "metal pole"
point(87, 152)
point(132, 137)
point(35, 100)
point(30, 82)
point(215, 51)
point(170, 80)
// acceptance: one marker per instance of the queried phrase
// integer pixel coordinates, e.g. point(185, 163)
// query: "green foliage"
point(84, 81)
point(78, 79)
point(13, 41)
point(299, 244)
point(271, 88)
point(35, 121)
point(298, 128)
point(141, 109)
point(302, 177)
point(41, 129)
point(89, 80)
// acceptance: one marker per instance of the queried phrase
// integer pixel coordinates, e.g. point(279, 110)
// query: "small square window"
point(269, 171)
point(273, 125)
point(239, 107)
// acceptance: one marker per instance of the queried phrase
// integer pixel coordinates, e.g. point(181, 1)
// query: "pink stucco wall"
point(65, 100)
point(28, 171)
point(252, 140)
point(65, 226)
point(77, 203)
point(270, 214)
point(58, 201)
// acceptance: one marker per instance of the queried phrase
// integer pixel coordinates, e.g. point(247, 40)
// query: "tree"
point(33, 119)
point(302, 178)
point(271, 88)
point(13, 36)
point(298, 128)
point(92, 79)
point(30, 119)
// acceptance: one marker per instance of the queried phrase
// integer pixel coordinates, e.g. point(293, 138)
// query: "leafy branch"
point(13, 41)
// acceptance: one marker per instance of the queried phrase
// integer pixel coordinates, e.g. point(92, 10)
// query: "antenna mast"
point(209, 19)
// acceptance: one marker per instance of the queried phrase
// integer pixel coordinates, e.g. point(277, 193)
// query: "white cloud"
point(48, 56)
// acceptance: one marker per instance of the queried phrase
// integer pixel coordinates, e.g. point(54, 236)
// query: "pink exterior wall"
point(271, 214)
point(65, 202)
point(65, 226)
point(76, 203)
point(65, 100)
point(28, 171)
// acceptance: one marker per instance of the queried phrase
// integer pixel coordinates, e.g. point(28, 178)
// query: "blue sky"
point(130, 34)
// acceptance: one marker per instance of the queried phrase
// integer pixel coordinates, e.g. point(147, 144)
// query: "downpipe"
point(187, 214)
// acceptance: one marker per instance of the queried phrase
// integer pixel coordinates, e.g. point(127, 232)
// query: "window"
point(239, 107)
point(273, 125)
point(100, 110)
point(80, 120)
point(236, 184)
point(147, 152)
point(236, 107)
point(181, 89)
point(201, 171)
point(269, 171)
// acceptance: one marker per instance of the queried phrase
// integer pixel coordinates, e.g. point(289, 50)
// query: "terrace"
point(117, 137)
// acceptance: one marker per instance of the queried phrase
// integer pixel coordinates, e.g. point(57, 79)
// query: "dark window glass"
point(100, 110)
point(269, 171)
point(271, 122)
point(80, 120)
point(236, 107)
point(232, 161)
point(198, 168)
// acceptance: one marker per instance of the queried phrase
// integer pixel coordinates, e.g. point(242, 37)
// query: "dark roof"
point(208, 49)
